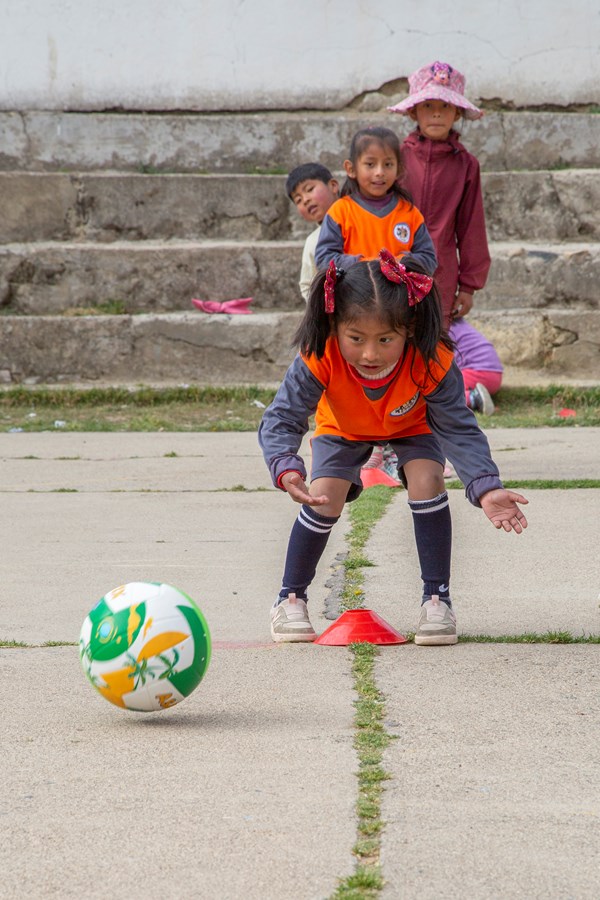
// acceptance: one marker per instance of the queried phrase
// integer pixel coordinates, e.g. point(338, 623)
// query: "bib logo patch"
point(402, 232)
point(406, 407)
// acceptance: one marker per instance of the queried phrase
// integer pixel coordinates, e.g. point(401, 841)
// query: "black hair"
point(364, 289)
point(375, 134)
point(311, 171)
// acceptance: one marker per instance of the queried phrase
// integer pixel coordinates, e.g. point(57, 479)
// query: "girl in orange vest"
point(376, 367)
point(374, 211)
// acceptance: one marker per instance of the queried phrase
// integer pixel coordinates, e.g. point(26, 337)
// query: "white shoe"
point(481, 400)
point(290, 622)
point(437, 624)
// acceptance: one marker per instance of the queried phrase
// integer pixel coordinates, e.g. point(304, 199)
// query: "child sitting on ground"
point(479, 363)
point(312, 189)
point(377, 367)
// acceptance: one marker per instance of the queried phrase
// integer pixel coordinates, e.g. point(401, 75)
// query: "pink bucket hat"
point(438, 81)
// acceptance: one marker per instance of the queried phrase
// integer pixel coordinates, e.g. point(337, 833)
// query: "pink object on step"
point(235, 307)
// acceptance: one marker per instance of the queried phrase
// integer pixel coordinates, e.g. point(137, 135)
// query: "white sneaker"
point(290, 622)
point(437, 624)
point(481, 400)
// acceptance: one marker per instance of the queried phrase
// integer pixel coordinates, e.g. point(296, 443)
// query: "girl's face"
point(370, 345)
point(435, 118)
point(375, 170)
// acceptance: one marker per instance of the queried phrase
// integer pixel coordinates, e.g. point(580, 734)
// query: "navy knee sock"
point(433, 534)
point(308, 540)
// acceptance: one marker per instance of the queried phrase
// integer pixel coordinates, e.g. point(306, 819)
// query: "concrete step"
point(221, 349)
point(181, 347)
point(105, 207)
point(271, 142)
point(163, 276)
point(539, 275)
point(147, 276)
point(543, 206)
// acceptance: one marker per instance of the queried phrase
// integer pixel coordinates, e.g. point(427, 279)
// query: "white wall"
point(274, 54)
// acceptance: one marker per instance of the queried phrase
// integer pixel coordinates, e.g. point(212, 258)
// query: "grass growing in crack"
point(59, 644)
point(538, 484)
point(370, 742)
point(371, 737)
point(9, 644)
point(527, 637)
point(548, 637)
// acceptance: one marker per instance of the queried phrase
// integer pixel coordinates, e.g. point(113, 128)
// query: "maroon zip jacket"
point(444, 181)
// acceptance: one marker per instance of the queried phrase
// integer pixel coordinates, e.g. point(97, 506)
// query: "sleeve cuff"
point(281, 474)
point(481, 485)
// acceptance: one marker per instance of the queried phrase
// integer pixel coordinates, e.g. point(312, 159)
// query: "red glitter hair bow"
point(417, 285)
point(331, 278)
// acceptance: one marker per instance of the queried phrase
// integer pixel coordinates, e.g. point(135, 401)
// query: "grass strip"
point(559, 396)
point(134, 396)
point(548, 637)
point(370, 741)
point(239, 408)
point(371, 738)
point(20, 645)
point(538, 484)
point(527, 637)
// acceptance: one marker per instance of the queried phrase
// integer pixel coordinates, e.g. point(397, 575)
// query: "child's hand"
point(500, 506)
point(298, 491)
point(463, 303)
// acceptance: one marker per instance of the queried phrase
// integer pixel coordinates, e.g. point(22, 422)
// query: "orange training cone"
point(360, 626)
point(371, 476)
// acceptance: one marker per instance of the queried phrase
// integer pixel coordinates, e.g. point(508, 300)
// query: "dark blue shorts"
point(335, 457)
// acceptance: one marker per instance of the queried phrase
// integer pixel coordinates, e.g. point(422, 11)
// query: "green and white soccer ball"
point(145, 646)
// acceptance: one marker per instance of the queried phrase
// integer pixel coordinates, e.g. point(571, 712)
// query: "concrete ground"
point(247, 789)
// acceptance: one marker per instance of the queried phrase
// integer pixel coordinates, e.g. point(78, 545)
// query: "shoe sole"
point(433, 640)
point(293, 638)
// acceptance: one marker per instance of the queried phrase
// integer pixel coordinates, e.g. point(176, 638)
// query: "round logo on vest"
point(406, 407)
point(402, 232)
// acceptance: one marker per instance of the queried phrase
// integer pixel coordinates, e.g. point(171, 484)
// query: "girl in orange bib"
point(376, 367)
point(374, 210)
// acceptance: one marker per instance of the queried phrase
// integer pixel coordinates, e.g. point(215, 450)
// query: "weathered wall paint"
point(273, 54)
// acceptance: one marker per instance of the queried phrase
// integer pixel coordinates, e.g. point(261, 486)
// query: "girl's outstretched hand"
point(500, 506)
point(296, 488)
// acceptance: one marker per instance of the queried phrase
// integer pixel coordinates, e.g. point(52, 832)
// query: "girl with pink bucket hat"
point(445, 182)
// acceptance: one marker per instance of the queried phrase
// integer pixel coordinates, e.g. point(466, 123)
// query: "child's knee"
point(425, 482)
point(335, 489)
